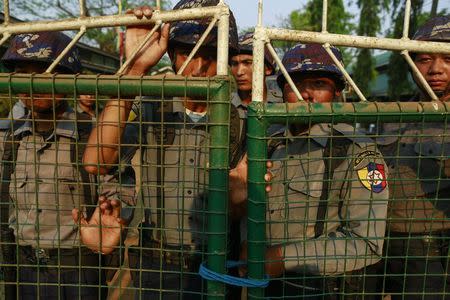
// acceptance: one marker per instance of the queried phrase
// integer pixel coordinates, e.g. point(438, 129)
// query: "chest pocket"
point(45, 178)
point(292, 212)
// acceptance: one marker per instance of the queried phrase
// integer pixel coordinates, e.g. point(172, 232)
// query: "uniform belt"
point(171, 255)
point(65, 257)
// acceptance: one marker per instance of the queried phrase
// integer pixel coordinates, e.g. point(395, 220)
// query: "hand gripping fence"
point(217, 91)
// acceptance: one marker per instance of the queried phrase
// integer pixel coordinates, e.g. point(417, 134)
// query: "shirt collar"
point(65, 125)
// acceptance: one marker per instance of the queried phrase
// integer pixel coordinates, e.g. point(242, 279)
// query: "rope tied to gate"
point(208, 274)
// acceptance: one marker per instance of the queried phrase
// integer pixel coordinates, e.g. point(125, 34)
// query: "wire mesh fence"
point(344, 206)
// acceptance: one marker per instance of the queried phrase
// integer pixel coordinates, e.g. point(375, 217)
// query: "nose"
point(436, 66)
point(198, 66)
point(240, 70)
point(306, 94)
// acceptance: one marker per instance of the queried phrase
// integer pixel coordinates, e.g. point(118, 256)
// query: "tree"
point(310, 18)
point(369, 25)
point(398, 83)
point(104, 38)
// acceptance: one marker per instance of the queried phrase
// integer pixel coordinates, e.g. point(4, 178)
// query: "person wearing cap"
point(42, 184)
point(242, 70)
point(435, 67)
point(327, 197)
point(174, 159)
point(418, 228)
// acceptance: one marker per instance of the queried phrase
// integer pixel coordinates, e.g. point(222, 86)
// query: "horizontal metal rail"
point(111, 85)
point(113, 20)
point(304, 112)
point(356, 41)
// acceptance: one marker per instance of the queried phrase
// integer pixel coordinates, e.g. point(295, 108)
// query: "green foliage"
point(104, 38)
point(310, 18)
point(398, 83)
point(369, 25)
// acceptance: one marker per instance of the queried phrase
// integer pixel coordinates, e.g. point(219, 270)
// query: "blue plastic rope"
point(207, 274)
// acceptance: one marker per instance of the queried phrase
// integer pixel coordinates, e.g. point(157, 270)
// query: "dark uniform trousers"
point(60, 274)
point(165, 272)
point(417, 266)
point(307, 286)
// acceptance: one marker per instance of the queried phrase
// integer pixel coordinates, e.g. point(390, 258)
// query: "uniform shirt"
point(419, 166)
point(354, 223)
point(45, 186)
point(174, 177)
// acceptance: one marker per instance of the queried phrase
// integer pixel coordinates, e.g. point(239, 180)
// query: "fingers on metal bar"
point(419, 75)
point(198, 45)
point(139, 48)
point(66, 50)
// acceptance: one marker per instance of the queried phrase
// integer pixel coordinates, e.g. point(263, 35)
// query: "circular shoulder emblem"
point(373, 177)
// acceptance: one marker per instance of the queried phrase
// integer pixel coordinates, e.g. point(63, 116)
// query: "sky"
point(246, 11)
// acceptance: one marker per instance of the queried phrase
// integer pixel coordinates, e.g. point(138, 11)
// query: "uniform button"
point(189, 192)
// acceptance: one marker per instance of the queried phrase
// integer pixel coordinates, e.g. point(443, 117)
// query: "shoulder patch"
point(373, 177)
point(369, 154)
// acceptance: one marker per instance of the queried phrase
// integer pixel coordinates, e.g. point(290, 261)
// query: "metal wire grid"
point(193, 176)
point(262, 116)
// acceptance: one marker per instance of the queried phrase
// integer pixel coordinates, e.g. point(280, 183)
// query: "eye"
point(319, 84)
point(423, 59)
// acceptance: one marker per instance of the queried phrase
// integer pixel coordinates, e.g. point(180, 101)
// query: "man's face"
point(241, 67)
point(435, 68)
point(313, 88)
point(41, 103)
point(203, 64)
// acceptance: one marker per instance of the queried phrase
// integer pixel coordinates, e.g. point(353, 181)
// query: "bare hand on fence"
point(153, 50)
point(238, 186)
point(101, 233)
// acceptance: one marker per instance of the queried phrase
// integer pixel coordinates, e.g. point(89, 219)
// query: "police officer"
point(174, 160)
point(416, 264)
point(41, 183)
point(435, 67)
point(325, 217)
point(242, 70)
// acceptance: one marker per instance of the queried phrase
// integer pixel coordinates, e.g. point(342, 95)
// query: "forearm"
point(102, 150)
point(330, 255)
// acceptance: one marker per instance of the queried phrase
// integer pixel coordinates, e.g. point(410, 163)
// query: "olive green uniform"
point(355, 197)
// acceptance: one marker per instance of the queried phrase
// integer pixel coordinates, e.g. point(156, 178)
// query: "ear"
point(267, 70)
point(338, 95)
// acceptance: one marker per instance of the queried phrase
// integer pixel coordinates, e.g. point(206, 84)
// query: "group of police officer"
point(339, 200)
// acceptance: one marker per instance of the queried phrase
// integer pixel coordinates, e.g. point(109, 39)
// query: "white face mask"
point(195, 116)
